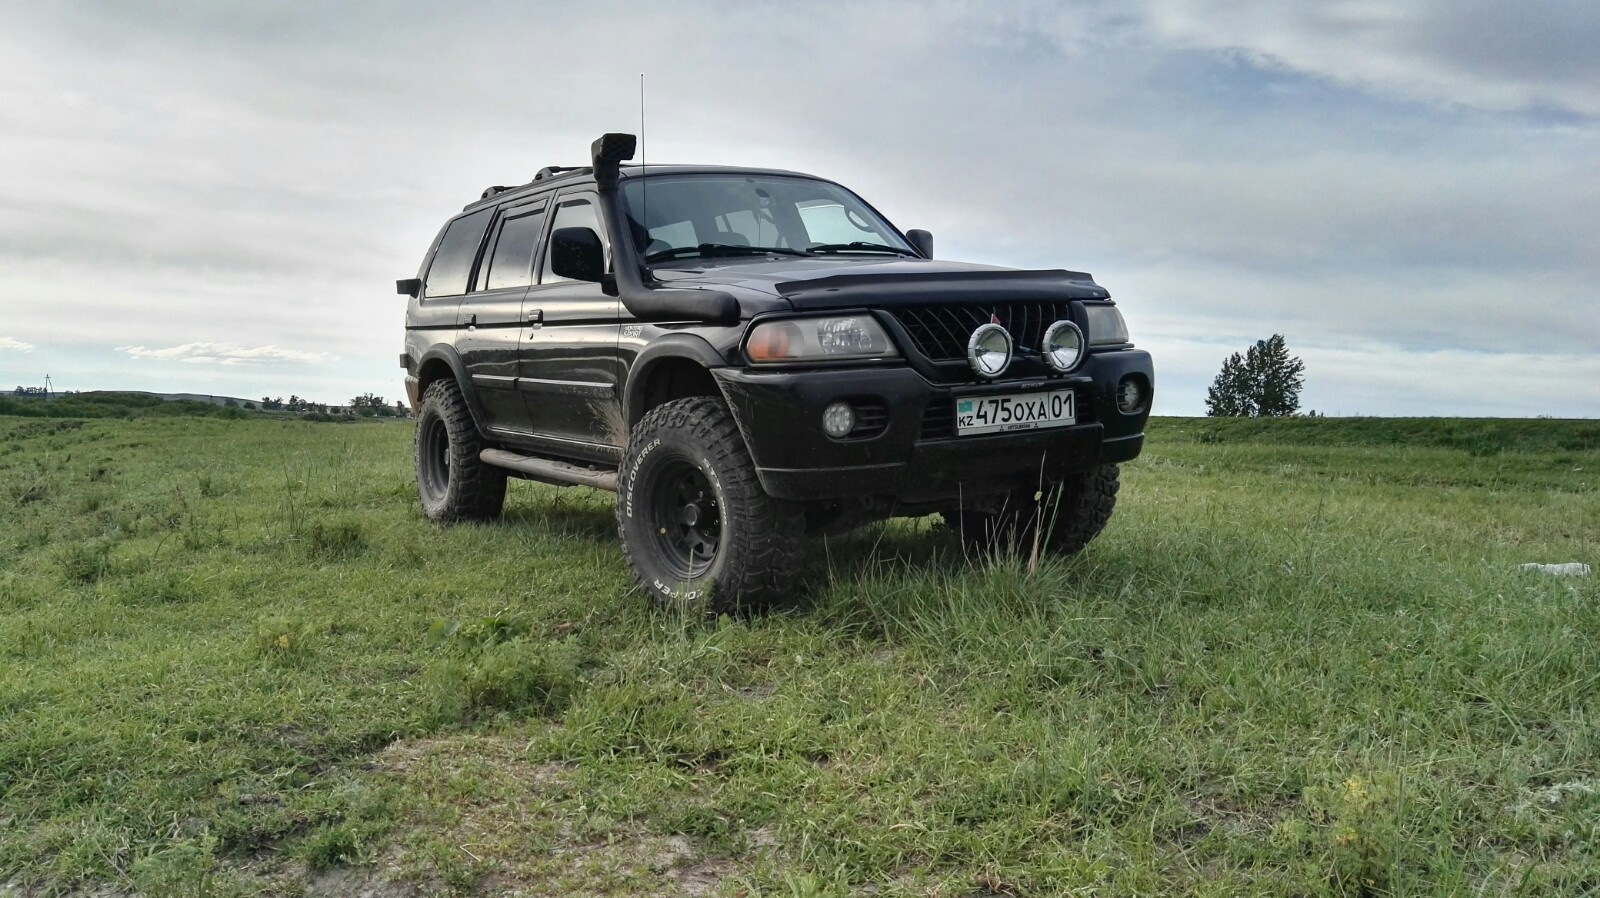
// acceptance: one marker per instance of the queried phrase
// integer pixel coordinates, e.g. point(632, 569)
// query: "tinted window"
point(574, 214)
point(512, 265)
point(452, 264)
point(778, 211)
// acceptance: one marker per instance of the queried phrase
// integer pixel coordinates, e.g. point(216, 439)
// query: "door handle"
point(472, 320)
point(536, 317)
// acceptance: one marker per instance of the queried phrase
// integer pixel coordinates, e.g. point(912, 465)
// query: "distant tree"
point(250, 405)
point(1264, 382)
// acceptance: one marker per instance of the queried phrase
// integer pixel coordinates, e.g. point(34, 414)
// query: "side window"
point(512, 264)
point(452, 264)
point(571, 214)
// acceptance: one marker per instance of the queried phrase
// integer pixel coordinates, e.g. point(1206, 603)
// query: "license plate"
point(1014, 411)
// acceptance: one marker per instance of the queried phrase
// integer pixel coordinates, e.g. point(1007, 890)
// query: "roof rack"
point(550, 171)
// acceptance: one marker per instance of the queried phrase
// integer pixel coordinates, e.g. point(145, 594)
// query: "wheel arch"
point(442, 362)
point(676, 366)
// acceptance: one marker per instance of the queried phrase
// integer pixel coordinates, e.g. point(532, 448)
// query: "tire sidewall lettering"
point(688, 595)
point(633, 474)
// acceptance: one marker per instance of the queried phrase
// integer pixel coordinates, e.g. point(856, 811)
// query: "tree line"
point(367, 405)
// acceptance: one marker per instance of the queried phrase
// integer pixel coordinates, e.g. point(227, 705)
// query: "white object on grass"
point(1569, 569)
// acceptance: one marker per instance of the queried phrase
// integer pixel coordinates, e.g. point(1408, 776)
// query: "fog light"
point(1130, 396)
point(838, 419)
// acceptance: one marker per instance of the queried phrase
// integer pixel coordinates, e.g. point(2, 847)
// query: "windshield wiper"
point(858, 246)
point(719, 249)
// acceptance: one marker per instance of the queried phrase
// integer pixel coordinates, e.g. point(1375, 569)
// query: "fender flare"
point(664, 349)
point(447, 354)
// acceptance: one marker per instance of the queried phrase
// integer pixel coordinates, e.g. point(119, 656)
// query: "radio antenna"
point(644, 187)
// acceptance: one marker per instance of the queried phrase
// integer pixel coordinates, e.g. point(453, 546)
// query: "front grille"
point(939, 420)
point(941, 332)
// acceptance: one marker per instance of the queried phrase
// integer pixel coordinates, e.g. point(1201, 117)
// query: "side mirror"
point(408, 287)
point(577, 253)
point(921, 241)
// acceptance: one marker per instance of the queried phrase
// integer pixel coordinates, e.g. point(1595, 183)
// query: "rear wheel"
point(1065, 516)
point(698, 530)
point(452, 483)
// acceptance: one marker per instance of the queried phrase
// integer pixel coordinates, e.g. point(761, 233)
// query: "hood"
point(826, 283)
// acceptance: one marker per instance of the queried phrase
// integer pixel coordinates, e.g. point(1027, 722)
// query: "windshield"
point(729, 214)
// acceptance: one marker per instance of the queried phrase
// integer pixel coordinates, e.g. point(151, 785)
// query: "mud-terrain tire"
point(697, 528)
point(453, 484)
point(1071, 513)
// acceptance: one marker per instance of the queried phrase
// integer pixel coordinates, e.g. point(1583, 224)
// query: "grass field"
point(1302, 661)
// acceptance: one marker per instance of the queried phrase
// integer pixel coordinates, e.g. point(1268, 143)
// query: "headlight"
point(835, 338)
point(1106, 325)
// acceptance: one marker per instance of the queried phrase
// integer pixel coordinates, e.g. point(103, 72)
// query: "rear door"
point(571, 373)
point(490, 319)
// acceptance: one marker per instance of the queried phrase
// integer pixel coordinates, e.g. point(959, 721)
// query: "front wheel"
point(696, 526)
point(1063, 517)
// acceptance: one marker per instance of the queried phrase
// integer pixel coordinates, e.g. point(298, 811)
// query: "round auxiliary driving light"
point(1063, 346)
point(838, 419)
point(989, 350)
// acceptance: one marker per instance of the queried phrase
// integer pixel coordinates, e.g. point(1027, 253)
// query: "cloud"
point(1485, 54)
point(6, 343)
point(228, 354)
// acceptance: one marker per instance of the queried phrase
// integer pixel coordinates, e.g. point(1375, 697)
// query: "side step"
point(546, 470)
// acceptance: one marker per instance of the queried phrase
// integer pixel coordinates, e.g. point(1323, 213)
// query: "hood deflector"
point(935, 287)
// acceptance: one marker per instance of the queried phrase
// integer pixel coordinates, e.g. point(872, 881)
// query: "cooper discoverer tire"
point(453, 484)
point(697, 528)
point(1072, 513)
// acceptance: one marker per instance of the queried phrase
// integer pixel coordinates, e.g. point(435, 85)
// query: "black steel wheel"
point(687, 519)
point(453, 484)
point(698, 530)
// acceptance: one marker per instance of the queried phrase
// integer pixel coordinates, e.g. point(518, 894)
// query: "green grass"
point(106, 404)
point(1301, 661)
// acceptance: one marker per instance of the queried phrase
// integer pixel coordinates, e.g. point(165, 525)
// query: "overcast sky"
point(217, 197)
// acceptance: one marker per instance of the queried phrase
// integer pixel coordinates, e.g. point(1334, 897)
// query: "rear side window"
point(512, 265)
point(452, 264)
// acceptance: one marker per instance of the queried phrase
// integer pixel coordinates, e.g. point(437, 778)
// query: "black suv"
point(750, 356)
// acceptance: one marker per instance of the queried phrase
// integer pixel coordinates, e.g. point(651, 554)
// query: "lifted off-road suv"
point(750, 356)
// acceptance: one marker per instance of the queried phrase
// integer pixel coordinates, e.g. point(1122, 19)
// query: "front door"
point(571, 377)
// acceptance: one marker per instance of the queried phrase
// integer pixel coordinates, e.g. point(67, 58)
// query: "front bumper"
point(916, 456)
